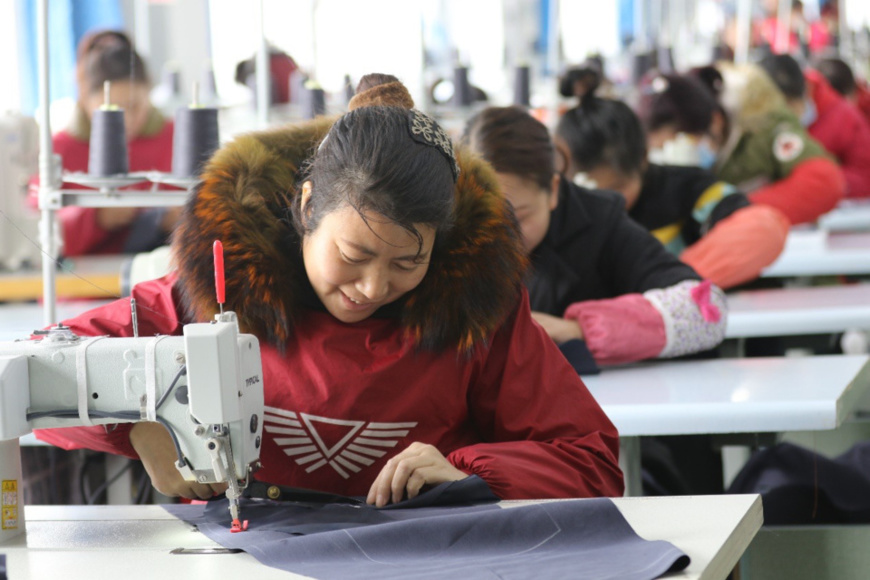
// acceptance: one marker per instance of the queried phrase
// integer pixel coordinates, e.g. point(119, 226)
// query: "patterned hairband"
point(425, 130)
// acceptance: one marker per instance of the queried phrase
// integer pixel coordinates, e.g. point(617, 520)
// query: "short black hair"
point(683, 102)
point(786, 74)
point(109, 55)
point(603, 132)
point(838, 74)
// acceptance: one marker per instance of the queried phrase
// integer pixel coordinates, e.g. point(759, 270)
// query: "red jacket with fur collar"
point(461, 368)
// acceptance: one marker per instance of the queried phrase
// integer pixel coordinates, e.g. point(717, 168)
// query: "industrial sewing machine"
point(205, 387)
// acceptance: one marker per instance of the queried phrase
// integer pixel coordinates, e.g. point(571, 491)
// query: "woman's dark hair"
point(838, 74)
point(109, 56)
point(581, 80)
point(373, 80)
point(683, 102)
point(710, 77)
point(603, 132)
point(514, 142)
point(786, 73)
point(369, 161)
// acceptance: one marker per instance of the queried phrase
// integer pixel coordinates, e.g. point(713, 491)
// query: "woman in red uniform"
point(110, 56)
point(383, 277)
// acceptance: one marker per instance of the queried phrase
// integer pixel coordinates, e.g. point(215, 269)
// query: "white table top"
point(790, 311)
point(754, 395)
point(18, 320)
point(849, 215)
point(822, 253)
point(108, 542)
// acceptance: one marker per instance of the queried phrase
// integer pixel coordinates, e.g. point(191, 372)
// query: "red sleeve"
point(739, 247)
point(855, 159)
point(82, 235)
point(813, 188)
point(156, 313)
point(546, 435)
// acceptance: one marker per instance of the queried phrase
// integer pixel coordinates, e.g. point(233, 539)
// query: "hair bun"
point(380, 90)
point(580, 81)
point(711, 77)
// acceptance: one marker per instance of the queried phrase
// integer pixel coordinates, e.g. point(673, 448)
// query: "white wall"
point(10, 96)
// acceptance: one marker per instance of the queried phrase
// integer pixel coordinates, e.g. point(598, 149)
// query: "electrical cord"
point(181, 372)
point(92, 498)
point(129, 416)
point(74, 414)
point(181, 459)
point(143, 489)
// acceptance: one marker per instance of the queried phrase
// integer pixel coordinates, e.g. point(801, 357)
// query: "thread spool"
point(195, 138)
point(522, 86)
point(297, 87)
point(642, 63)
point(107, 153)
point(348, 88)
point(315, 100)
point(461, 87)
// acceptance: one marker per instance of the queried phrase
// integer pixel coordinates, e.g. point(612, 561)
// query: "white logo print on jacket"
point(344, 445)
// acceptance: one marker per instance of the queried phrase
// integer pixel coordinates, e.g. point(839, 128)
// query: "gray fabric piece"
point(586, 539)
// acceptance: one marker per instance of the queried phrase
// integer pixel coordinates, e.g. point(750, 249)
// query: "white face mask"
point(583, 180)
point(706, 154)
point(810, 113)
point(683, 150)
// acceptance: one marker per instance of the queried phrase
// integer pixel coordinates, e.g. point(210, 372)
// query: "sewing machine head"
point(205, 387)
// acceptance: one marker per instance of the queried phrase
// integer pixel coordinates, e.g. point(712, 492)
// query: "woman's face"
point(629, 185)
point(130, 96)
point(356, 266)
point(657, 139)
point(532, 205)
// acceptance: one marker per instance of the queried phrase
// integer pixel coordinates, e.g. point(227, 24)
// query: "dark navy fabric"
point(799, 486)
point(469, 491)
point(580, 357)
point(586, 539)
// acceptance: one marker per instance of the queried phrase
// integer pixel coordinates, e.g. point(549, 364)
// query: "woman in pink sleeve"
point(601, 285)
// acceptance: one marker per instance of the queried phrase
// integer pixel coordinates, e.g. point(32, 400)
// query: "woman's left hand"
point(418, 465)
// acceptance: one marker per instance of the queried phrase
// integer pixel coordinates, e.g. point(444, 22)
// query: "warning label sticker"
point(9, 504)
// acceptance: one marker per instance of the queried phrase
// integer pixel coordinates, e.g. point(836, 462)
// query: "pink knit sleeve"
point(619, 330)
point(681, 319)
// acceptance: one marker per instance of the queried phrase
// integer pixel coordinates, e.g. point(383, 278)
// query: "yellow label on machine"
point(9, 504)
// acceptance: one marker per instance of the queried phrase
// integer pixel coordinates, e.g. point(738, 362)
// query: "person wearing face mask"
point(110, 56)
point(831, 119)
point(687, 127)
point(843, 80)
point(707, 222)
point(760, 145)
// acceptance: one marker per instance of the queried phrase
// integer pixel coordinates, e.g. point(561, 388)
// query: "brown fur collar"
point(471, 286)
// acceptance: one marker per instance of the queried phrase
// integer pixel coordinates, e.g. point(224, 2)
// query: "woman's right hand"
point(157, 452)
point(560, 329)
